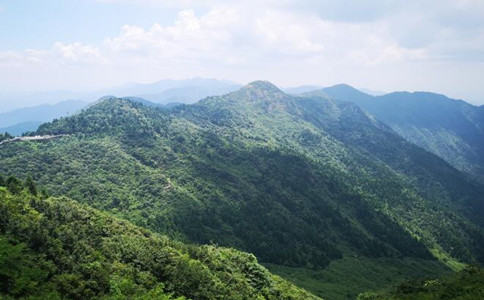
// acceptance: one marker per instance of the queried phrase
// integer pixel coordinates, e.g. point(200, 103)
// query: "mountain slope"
point(57, 249)
point(452, 129)
point(298, 181)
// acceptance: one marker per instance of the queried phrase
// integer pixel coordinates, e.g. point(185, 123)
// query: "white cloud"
point(59, 55)
point(285, 33)
point(229, 34)
point(10, 59)
point(322, 40)
point(190, 38)
point(76, 53)
point(226, 36)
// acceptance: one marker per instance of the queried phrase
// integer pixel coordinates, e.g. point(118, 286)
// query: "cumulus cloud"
point(76, 53)
point(59, 54)
point(372, 32)
point(341, 39)
point(10, 59)
point(229, 36)
point(189, 38)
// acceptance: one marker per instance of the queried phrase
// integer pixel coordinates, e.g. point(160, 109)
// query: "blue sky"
point(39, 24)
point(381, 45)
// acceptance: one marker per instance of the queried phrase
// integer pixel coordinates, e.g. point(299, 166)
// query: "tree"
point(30, 184)
point(14, 185)
point(18, 271)
point(44, 194)
point(5, 136)
point(2, 181)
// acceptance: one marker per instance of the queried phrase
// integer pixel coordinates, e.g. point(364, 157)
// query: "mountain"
point(189, 94)
point(451, 129)
point(306, 183)
point(54, 248)
point(28, 119)
point(132, 99)
point(18, 129)
point(168, 84)
point(163, 91)
point(18, 101)
point(182, 91)
point(372, 92)
point(302, 89)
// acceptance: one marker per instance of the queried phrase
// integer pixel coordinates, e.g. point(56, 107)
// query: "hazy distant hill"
point(28, 119)
point(18, 129)
point(452, 129)
point(372, 92)
point(183, 91)
point(163, 91)
point(189, 94)
point(301, 89)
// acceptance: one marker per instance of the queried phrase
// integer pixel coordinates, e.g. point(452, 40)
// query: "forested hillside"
point(54, 248)
point(467, 284)
point(298, 181)
point(451, 129)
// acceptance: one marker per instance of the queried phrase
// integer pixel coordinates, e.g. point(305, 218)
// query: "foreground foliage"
point(56, 249)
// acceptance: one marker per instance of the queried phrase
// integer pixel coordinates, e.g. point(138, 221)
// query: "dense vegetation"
point(298, 181)
point(5, 136)
point(468, 284)
point(452, 129)
point(346, 278)
point(57, 249)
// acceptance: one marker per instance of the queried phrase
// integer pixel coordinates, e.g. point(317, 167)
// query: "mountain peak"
point(344, 92)
point(344, 87)
point(262, 85)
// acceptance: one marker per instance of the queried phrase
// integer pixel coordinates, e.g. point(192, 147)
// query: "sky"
point(383, 45)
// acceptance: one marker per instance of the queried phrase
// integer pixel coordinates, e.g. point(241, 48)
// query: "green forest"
point(55, 248)
point(144, 201)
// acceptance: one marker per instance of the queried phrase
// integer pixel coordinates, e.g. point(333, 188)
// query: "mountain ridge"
point(298, 181)
point(452, 129)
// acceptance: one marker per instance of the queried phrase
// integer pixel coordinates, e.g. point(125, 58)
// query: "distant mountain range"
point(19, 129)
point(163, 91)
point(301, 89)
point(184, 91)
point(452, 129)
point(28, 119)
